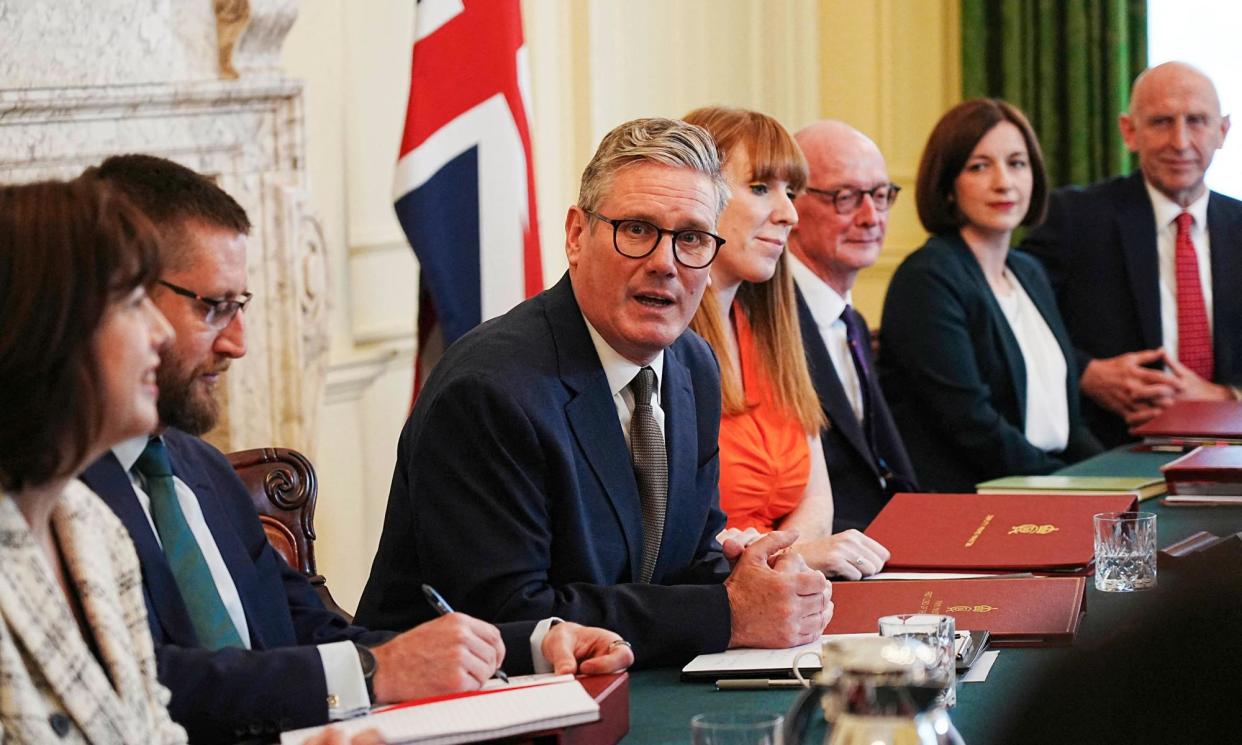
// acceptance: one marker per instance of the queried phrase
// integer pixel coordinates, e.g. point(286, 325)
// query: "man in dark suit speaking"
point(1147, 267)
point(242, 641)
point(563, 458)
point(842, 218)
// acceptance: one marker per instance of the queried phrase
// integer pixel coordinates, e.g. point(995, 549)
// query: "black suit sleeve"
point(483, 488)
point(929, 338)
point(233, 694)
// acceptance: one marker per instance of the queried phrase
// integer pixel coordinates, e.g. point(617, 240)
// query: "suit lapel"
point(108, 479)
point(828, 384)
point(1136, 224)
point(1225, 236)
point(236, 559)
point(593, 417)
point(38, 617)
point(1007, 342)
point(677, 401)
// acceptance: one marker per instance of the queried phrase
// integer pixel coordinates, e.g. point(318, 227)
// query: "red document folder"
point(1195, 419)
point(1017, 611)
point(1210, 475)
point(998, 532)
point(612, 693)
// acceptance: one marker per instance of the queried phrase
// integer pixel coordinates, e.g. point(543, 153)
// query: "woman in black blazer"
point(974, 359)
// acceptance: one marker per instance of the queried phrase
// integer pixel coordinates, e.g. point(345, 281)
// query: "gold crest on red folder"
point(1033, 529)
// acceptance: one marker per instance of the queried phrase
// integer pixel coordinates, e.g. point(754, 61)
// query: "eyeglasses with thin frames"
point(848, 201)
point(220, 311)
point(637, 239)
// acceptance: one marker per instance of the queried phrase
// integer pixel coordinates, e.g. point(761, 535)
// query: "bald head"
point(833, 245)
point(1154, 82)
point(834, 146)
point(1175, 126)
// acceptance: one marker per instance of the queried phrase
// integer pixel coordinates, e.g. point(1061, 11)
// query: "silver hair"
point(669, 142)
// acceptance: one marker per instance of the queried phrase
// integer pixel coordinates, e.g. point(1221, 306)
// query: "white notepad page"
point(501, 712)
point(747, 659)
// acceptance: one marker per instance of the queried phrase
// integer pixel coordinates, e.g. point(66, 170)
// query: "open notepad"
point(748, 662)
point(528, 704)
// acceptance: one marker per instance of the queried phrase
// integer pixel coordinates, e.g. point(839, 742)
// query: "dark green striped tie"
point(211, 620)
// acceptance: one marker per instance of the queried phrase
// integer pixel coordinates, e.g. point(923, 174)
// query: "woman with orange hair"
point(772, 469)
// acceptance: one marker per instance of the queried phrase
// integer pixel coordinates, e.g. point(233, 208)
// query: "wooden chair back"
point(283, 487)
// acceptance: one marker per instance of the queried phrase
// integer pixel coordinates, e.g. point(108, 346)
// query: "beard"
point(184, 402)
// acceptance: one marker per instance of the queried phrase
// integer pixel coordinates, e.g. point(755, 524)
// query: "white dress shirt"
point(826, 307)
point(1047, 406)
point(1166, 211)
point(620, 373)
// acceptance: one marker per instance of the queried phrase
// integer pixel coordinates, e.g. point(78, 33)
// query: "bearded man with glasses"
point(242, 642)
point(562, 459)
point(842, 218)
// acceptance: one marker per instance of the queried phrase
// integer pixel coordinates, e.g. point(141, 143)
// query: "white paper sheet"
point(978, 672)
point(758, 660)
point(505, 711)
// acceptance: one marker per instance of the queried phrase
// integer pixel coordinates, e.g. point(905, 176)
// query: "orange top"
point(765, 461)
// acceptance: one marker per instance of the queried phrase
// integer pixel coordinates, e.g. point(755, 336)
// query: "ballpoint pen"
point(443, 608)
point(751, 684)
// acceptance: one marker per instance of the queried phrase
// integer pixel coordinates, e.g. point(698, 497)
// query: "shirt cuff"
point(347, 689)
point(540, 663)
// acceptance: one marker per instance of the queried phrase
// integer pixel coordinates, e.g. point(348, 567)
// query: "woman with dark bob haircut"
point(79, 347)
point(974, 359)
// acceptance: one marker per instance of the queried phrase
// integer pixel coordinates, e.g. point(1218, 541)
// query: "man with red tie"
point(1147, 266)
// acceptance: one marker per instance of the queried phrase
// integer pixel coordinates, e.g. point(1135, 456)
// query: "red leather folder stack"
point(1016, 611)
point(1194, 422)
point(1209, 476)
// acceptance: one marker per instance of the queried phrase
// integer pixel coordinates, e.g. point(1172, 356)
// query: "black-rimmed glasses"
point(636, 239)
point(847, 201)
point(220, 311)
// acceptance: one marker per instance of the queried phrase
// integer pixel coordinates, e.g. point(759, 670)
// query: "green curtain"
point(1068, 64)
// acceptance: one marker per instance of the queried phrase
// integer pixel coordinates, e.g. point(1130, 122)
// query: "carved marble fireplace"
point(200, 83)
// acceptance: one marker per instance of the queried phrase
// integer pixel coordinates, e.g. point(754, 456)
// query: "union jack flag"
point(465, 184)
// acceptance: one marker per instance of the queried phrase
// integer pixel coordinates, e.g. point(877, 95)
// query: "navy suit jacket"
point(861, 486)
point(514, 494)
point(1099, 247)
point(229, 694)
point(955, 376)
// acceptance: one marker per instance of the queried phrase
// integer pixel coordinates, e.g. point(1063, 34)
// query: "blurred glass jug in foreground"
point(873, 691)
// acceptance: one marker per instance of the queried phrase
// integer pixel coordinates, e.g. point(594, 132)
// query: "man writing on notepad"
point(563, 458)
point(241, 640)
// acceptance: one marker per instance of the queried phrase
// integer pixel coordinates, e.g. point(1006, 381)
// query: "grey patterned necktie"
point(650, 468)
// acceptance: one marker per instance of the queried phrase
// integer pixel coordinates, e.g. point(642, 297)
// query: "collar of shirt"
point(619, 370)
point(826, 304)
point(127, 452)
point(1167, 211)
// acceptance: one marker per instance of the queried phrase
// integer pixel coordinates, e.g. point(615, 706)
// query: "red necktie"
point(1194, 337)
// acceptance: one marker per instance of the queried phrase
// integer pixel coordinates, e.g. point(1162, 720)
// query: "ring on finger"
point(619, 643)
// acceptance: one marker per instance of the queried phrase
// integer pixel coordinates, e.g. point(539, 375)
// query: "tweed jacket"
point(52, 688)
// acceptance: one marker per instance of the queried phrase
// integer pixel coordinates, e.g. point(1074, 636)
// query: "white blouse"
point(1047, 410)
